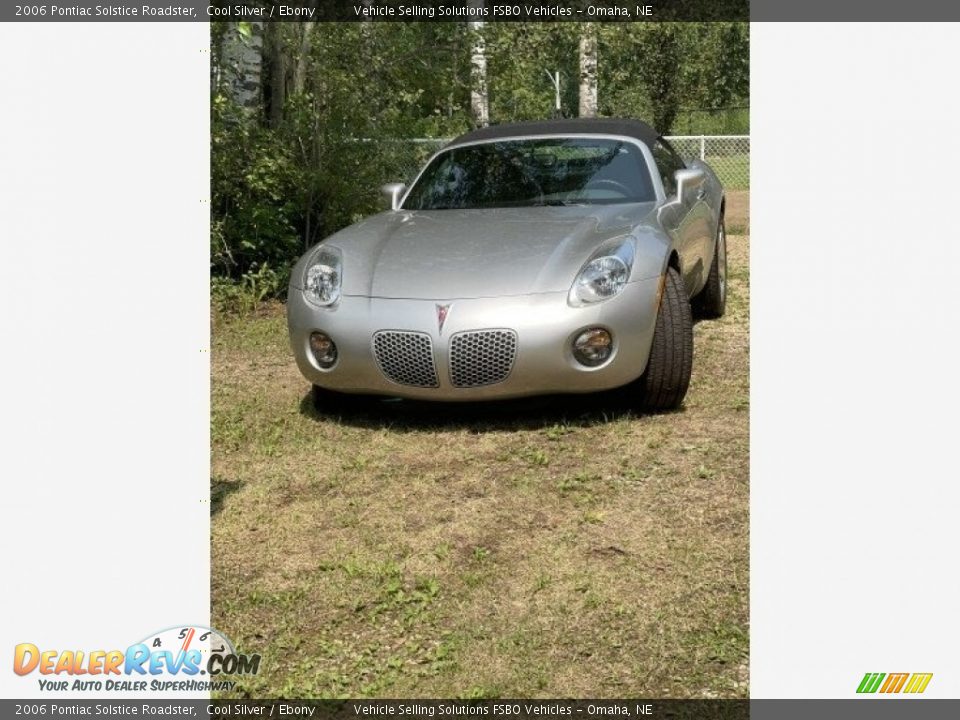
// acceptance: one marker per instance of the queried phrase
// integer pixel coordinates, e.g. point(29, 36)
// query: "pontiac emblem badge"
point(442, 312)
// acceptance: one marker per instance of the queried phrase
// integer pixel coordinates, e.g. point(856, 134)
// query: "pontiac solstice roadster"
point(531, 258)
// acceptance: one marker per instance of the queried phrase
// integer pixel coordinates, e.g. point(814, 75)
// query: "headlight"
point(603, 277)
point(322, 281)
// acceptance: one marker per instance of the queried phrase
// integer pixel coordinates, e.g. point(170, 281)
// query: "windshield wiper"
point(560, 203)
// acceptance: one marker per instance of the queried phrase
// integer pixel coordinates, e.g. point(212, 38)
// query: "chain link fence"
point(728, 155)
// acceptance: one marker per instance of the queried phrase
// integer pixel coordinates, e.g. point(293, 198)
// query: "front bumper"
point(544, 324)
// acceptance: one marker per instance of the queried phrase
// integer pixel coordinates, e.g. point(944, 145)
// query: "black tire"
point(712, 300)
point(664, 383)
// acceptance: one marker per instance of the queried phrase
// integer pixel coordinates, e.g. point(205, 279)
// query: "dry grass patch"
point(539, 548)
point(738, 212)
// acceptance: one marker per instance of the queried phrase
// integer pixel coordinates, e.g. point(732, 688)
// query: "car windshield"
point(527, 173)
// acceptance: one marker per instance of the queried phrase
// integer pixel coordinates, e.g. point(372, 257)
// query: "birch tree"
point(588, 72)
point(243, 64)
point(479, 97)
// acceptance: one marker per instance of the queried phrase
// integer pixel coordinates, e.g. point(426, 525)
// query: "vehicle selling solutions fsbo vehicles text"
point(533, 12)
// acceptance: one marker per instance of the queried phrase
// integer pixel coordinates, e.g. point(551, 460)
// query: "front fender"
point(714, 189)
point(653, 249)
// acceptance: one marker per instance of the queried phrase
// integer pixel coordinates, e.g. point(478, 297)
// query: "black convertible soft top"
point(602, 126)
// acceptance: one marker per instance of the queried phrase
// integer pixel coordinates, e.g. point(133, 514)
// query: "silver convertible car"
point(534, 258)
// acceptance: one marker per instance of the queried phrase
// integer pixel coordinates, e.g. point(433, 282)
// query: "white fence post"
point(703, 147)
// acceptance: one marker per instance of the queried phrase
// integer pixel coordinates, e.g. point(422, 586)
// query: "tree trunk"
point(278, 73)
point(479, 98)
point(243, 64)
point(588, 72)
point(300, 69)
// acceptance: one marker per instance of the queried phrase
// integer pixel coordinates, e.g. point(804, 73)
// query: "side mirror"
point(393, 192)
point(688, 179)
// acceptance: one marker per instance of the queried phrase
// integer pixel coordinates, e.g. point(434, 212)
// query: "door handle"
point(701, 193)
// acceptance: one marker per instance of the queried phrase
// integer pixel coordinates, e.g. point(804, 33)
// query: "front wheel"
point(664, 383)
point(712, 300)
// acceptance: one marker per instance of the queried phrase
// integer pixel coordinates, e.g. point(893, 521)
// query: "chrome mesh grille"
point(406, 358)
point(481, 357)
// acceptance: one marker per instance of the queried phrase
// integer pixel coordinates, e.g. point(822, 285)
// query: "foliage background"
point(290, 100)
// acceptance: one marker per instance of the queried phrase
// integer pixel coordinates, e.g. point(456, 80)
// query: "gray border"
point(754, 10)
point(347, 10)
point(853, 11)
point(873, 708)
point(865, 708)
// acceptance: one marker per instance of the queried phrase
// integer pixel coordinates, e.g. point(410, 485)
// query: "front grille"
point(481, 357)
point(406, 358)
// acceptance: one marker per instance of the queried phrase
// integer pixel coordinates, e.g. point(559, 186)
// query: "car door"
point(687, 219)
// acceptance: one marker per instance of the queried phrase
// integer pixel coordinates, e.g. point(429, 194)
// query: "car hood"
point(455, 254)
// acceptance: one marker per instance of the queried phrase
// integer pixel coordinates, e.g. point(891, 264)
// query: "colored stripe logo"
point(894, 683)
point(918, 683)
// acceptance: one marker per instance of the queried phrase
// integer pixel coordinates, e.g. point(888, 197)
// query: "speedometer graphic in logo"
point(191, 649)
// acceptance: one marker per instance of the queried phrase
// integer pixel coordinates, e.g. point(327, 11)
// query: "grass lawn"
point(541, 548)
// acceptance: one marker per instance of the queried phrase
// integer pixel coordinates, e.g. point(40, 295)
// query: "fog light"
point(323, 348)
point(593, 347)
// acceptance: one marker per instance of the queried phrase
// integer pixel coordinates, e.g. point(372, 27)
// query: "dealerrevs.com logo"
point(910, 683)
point(182, 658)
